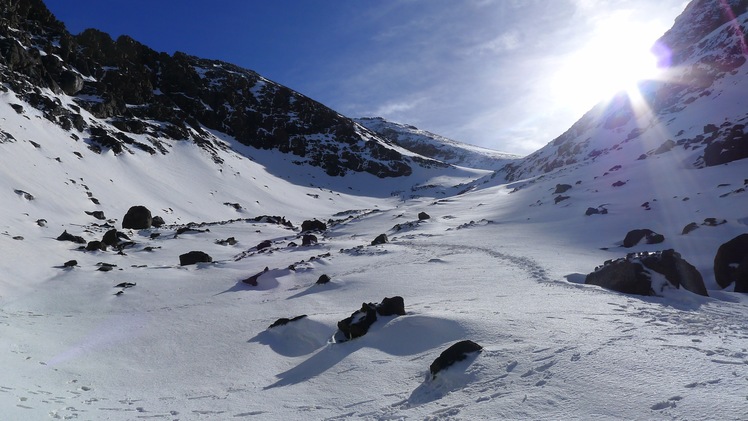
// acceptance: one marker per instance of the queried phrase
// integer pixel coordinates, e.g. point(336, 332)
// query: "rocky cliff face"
point(698, 109)
point(137, 98)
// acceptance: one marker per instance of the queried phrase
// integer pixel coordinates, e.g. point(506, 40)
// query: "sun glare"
point(615, 59)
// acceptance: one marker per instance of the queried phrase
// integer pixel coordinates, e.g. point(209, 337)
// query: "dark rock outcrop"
point(308, 239)
point(731, 263)
point(97, 214)
point(70, 263)
point(252, 280)
point(157, 222)
point(114, 237)
point(194, 257)
point(689, 228)
point(137, 217)
point(562, 188)
point(633, 237)
point(284, 321)
point(633, 274)
point(455, 353)
point(422, 216)
point(95, 246)
point(313, 225)
point(66, 236)
point(264, 245)
point(323, 279)
point(360, 321)
point(381, 239)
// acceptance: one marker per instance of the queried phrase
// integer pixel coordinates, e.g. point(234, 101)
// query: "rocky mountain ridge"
point(696, 106)
point(143, 99)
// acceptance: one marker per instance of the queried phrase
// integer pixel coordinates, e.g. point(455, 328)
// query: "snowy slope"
point(437, 147)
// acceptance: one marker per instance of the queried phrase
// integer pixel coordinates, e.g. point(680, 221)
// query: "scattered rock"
point(183, 230)
point(560, 198)
point(618, 183)
point(137, 217)
point(95, 245)
point(105, 267)
point(360, 321)
point(562, 188)
point(635, 236)
point(227, 242)
point(65, 236)
point(422, 216)
point(157, 222)
point(689, 228)
point(313, 225)
point(41, 222)
point(633, 274)
point(125, 285)
point(194, 257)
point(113, 237)
point(25, 195)
point(154, 235)
point(596, 211)
point(713, 222)
point(264, 245)
point(455, 353)
point(284, 321)
point(381, 239)
point(323, 279)
point(97, 214)
point(665, 147)
point(731, 263)
point(646, 206)
point(308, 239)
point(70, 263)
point(252, 280)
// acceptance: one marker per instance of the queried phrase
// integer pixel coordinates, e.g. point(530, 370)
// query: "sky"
point(509, 75)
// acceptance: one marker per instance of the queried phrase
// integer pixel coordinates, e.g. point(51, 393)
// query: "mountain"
point(698, 106)
point(267, 286)
point(133, 90)
point(436, 147)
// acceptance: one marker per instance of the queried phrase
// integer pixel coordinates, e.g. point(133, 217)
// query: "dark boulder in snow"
point(596, 211)
point(731, 263)
point(689, 228)
point(252, 280)
point(634, 274)
point(157, 222)
point(308, 239)
point(453, 354)
point(284, 321)
point(360, 321)
point(70, 263)
point(313, 225)
point(633, 237)
point(323, 279)
point(97, 214)
point(66, 236)
point(562, 188)
point(137, 218)
point(95, 245)
point(422, 216)
point(381, 239)
point(264, 245)
point(113, 237)
point(713, 222)
point(194, 257)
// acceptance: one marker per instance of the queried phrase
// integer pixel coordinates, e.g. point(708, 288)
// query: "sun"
point(615, 59)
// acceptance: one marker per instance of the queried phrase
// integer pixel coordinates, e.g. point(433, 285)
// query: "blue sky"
point(509, 75)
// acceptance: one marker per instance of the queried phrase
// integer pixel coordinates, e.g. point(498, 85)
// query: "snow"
point(502, 269)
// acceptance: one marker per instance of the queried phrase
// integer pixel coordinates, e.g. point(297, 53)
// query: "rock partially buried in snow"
point(284, 321)
point(137, 217)
point(194, 257)
point(422, 216)
point(313, 225)
point(323, 279)
point(66, 236)
point(453, 354)
point(360, 321)
point(731, 263)
point(381, 239)
point(633, 237)
point(635, 274)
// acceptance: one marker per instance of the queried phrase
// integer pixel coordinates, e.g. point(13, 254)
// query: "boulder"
point(264, 245)
point(633, 274)
point(65, 236)
point(194, 257)
point(422, 216)
point(95, 245)
point(308, 239)
point(113, 237)
point(157, 222)
point(252, 280)
point(381, 239)
point(284, 321)
point(313, 225)
point(731, 263)
point(323, 279)
point(633, 237)
point(595, 211)
point(97, 214)
point(455, 353)
point(689, 228)
point(137, 217)
point(361, 320)
point(562, 188)
point(70, 264)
